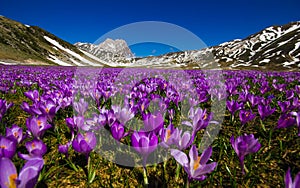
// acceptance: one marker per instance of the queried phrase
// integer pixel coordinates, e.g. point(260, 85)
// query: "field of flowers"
point(87, 127)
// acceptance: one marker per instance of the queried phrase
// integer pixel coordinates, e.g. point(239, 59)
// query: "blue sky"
point(212, 21)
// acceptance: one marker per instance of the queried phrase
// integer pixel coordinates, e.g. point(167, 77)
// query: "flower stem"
point(90, 171)
point(262, 125)
point(270, 137)
point(187, 182)
point(164, 170)
point(177, 172)
point(146, 183)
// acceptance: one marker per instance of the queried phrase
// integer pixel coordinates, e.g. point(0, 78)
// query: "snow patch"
point(77, 56)
point(57, 61)
point(297, 46)
point(241, 64)
point(5, 63)
point(264, 61)
point(75, 62)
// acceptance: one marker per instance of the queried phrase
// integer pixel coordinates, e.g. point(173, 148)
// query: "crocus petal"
point(297, 180)
point(187, 123)
point(186, 137)
point(205, 169)
point(30, 172)
point(288, 179)
point(180, 157)
point(193, 153)
point(9, 175)
point(135, 140)
point(206, 155)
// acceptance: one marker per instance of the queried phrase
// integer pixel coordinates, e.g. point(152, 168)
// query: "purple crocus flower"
point(202, 96)
point(28, 175)
point(77, 123)
point(200, 119)
point(289, 183)
point(265, 101)
point(244, 145)
point(110, 116)
point(297, 115)
point(118, 131)
point(144, 143)
point(243, 96)
point(284, 106)
point(25, 107)
point(296, 103)
point(289, 94)
point(143, 105)
point(36, 149)
point(123, 115)
point(153, 122)
point(254, 100)
point(64, 149)
point(231, 88)
point(49, 109)
point(195, 166)
point(34, 95)
point(169, 136)
point(184, 140)
point(265, 111)
point(81, 107)
point(246, 115)
point(7, 147)
point(193, 102)
point(234, 106)
point(4, 106)
point(84, 143)
point(15, 132)
point(286, 120)
point(37, 126)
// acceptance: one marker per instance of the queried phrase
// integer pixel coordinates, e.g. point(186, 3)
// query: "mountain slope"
point(25, 44)
point(274, 46)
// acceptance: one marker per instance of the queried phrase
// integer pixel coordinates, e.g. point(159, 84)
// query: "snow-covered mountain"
point(274, 48)
point(109, 50)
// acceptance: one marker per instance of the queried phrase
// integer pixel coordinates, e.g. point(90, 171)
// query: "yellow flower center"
point(168, 135)
point(33, 145)
point(16, 134)
point(205, 117)
point(2, 147)
point(86, 138)
point(143, 107)
point(47, 110)
point(197, 163)
point(247, 114)
point(39, 123)
point(12, 181)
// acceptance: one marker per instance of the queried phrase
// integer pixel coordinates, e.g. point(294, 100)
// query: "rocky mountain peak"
point(117, 46)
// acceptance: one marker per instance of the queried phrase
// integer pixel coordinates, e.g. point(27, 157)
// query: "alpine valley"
point(274, 48)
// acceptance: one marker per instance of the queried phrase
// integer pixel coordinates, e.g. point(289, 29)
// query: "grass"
point(266, 168)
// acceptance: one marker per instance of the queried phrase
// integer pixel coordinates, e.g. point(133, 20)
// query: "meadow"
point(114, 127)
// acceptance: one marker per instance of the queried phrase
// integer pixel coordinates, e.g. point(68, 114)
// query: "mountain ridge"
point(273, 48)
